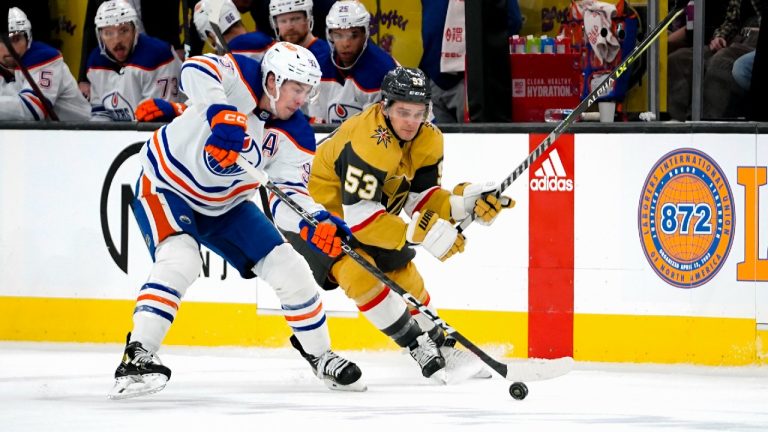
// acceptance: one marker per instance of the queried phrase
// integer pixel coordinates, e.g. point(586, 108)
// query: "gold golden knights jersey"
point(364, 173)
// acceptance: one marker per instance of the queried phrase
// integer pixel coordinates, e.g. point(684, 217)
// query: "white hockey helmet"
point(289, 62)
point(228, 16)
point(112, 13)
point(279, 7)
point(19, 23)
point(346, 14)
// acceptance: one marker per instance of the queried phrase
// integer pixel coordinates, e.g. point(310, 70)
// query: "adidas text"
point(554, 184)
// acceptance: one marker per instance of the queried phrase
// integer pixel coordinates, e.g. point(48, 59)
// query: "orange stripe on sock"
point(158, 299)
point(315, 312)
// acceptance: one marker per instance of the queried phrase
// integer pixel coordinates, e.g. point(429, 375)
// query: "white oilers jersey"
point(46, 66)
point(345, 93)
point(151, 71)
point(175, 159)
point(252, 44)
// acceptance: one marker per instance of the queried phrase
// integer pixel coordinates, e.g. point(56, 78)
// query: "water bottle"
point(532, 45)
point(556, 114)
point(562, 45)
point(518, 45)
point(547, 45)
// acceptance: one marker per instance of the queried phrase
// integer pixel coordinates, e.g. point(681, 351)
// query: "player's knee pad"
point(177, 262)
point(288, 273)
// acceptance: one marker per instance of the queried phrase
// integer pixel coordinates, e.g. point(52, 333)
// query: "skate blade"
point(134, 386)
point(439, 377)
point(461, 366)
point(357, 386)
point(484, 373)
point(536, 369)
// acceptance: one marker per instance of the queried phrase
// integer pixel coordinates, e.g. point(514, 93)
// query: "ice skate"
point(336, 372)
point(140, 373)
point(428, 356)
point(461, 365)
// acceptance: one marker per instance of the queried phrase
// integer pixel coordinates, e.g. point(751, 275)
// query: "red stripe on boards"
point(550, 248)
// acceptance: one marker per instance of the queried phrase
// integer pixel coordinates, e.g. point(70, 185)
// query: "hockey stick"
point(214, 7)
point(545, 369)
point(591, 98)
point(185, 27)
point(47, 107)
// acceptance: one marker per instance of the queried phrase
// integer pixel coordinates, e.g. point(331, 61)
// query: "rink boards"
point(622, 247)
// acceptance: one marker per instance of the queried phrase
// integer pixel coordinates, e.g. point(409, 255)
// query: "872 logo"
point(685, 218)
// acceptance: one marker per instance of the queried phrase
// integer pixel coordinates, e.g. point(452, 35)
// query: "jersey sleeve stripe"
point(189, 189)
point(202, 69)
point(35, 100)
point(206, 64)
point(184, 170)
point(29, 106)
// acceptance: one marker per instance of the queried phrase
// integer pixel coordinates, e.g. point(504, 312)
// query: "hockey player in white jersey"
point(46, 66)
point(191, 192)
point(353, 73)
point(128, 67)
point(238, 38)
point(292, 22)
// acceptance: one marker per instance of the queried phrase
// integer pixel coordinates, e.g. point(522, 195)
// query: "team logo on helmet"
point(685, 218)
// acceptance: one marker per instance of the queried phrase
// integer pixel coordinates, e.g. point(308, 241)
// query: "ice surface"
point(63, 387)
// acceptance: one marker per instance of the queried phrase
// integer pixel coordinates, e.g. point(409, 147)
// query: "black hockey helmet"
point(407, 85)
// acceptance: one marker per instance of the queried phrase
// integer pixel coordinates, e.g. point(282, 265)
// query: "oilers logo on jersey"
point(233, 170)
point(118, 106)
point(338, 112)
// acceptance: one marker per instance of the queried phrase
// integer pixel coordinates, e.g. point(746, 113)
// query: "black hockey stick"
point(214, 7)
point(523, 372)
point(185, 27)
point(47, 107)
point(584, 105)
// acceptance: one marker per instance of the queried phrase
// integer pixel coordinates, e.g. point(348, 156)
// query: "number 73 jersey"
point(364, 173)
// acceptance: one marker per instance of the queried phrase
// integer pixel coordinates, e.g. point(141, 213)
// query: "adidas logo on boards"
point(551, 176)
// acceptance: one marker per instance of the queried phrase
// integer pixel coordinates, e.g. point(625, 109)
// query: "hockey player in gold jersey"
point(385, 160)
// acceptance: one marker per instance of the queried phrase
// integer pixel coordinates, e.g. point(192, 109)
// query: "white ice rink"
point(62, 387)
